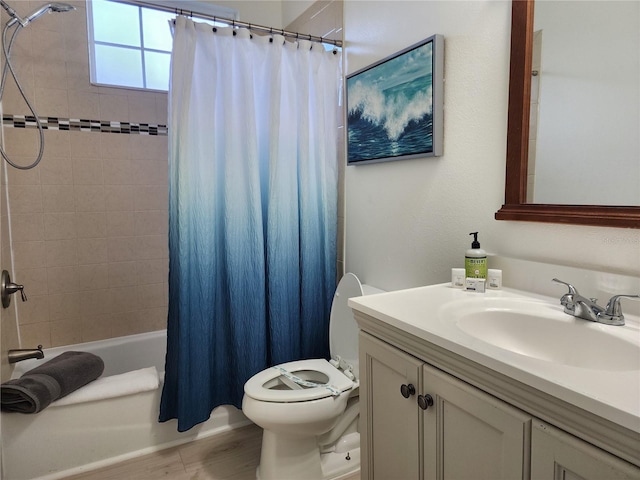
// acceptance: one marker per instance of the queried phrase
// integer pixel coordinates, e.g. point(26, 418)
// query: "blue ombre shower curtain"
point(253, 128)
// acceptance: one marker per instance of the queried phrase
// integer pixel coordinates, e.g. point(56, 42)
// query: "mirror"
point(516, 206)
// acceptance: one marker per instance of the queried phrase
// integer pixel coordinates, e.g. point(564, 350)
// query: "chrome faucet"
point(587, 308)
point(21, 354)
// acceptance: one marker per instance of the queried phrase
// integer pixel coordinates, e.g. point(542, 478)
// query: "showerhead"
point(49, 7)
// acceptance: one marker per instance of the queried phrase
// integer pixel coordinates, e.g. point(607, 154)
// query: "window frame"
point(208, 9)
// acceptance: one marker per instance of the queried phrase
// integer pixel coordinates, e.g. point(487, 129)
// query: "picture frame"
point(395, 106)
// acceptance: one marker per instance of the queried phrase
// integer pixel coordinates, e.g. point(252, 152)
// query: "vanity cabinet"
point(556, 455)
point(420, 422)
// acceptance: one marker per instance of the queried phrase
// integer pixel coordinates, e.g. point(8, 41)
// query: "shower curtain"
point(253, 125)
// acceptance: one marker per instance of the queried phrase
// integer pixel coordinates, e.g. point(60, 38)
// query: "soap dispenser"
point(475, 260)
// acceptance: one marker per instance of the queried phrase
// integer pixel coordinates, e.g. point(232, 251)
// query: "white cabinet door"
point(468, 434)
point(556, 455)
point(389, 426)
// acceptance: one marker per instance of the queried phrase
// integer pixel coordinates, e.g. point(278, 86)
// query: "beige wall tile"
point(152, 271)
point(151, 197)
point(152, 319)
point(92, 250)
point(84, 145)
point(152, 295)
point(78, 76)
point(114, 108)
point(96, 327)
point(29, 254)
point(27, 227)
point(21, 142)
point(119, 197)
point(66, 332)
point(57, 142)
point(126, 323)
point(12, 100)
point(62, 279)
point(55, 170)
point(122, 249)
point(142, 107)
point(151, 247)
point(122, 274)
point(88, 171)
point(117, 171)
point(150, 172)
point(116, 146)
point(25, 198)
point(89, 198)
point(35, 310)
point(58, 226)
point(61, 253)
point(152, 222)
point(150, 147)
point(50, 73)
point(91, 224)
point(162, 108)
point(34, 334)
point(120, 223)
point(34, 280)
point(84, 105)
point(51, 102)
point(23, 177)
point(58, 198)
point(95, 302)
point(93, 277)
point(124, 299)
point(64, 306)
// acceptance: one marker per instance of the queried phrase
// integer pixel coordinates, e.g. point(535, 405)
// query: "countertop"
point(425, 313)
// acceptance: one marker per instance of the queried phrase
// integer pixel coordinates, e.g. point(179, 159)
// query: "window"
point(130, 45)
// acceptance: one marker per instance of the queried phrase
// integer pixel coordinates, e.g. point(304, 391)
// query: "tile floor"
point(231, 455)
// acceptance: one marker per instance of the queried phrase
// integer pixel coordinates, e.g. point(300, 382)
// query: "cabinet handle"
point(407, 390)
point(425, 401)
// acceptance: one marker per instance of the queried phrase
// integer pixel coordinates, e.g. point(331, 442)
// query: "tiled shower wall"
point(89, 224)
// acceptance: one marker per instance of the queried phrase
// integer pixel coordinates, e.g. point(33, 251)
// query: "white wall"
point(407, 222)
point(260, 12)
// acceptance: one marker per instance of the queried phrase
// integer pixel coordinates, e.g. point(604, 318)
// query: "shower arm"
point(12, 13)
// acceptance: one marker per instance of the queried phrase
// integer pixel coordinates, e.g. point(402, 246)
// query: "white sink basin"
point(545, 332)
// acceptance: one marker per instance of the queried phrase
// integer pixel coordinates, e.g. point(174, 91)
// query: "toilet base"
point(286, 457)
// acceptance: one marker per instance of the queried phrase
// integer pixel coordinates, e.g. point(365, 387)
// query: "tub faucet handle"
point(9, 288)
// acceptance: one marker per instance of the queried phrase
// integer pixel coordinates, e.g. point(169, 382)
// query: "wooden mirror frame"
point(516, 206)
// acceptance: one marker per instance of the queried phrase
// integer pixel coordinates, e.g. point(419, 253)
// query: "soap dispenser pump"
point(475, 260)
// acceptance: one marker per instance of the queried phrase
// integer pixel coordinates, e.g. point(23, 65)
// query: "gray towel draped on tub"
point(52, 380)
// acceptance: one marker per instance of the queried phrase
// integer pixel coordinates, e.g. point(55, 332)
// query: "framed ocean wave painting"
point(395, 106)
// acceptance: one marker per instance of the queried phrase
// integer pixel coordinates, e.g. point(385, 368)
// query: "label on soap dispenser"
point(475, 267)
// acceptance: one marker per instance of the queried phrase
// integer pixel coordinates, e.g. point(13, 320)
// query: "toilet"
point(308, 409)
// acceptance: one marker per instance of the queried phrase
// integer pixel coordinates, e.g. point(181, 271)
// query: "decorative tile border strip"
point(81, 125)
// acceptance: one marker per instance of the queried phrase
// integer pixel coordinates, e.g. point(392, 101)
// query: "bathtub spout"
point(18, 355)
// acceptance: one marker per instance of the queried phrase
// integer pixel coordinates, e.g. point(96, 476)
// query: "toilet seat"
point(335, 380)
point(286, 383)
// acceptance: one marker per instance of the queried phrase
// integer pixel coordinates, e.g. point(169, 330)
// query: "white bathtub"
point(65, 440)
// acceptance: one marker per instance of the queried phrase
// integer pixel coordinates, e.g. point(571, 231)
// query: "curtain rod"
point(235, 23)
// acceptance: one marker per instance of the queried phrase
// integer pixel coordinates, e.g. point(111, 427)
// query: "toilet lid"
point(343, 330)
